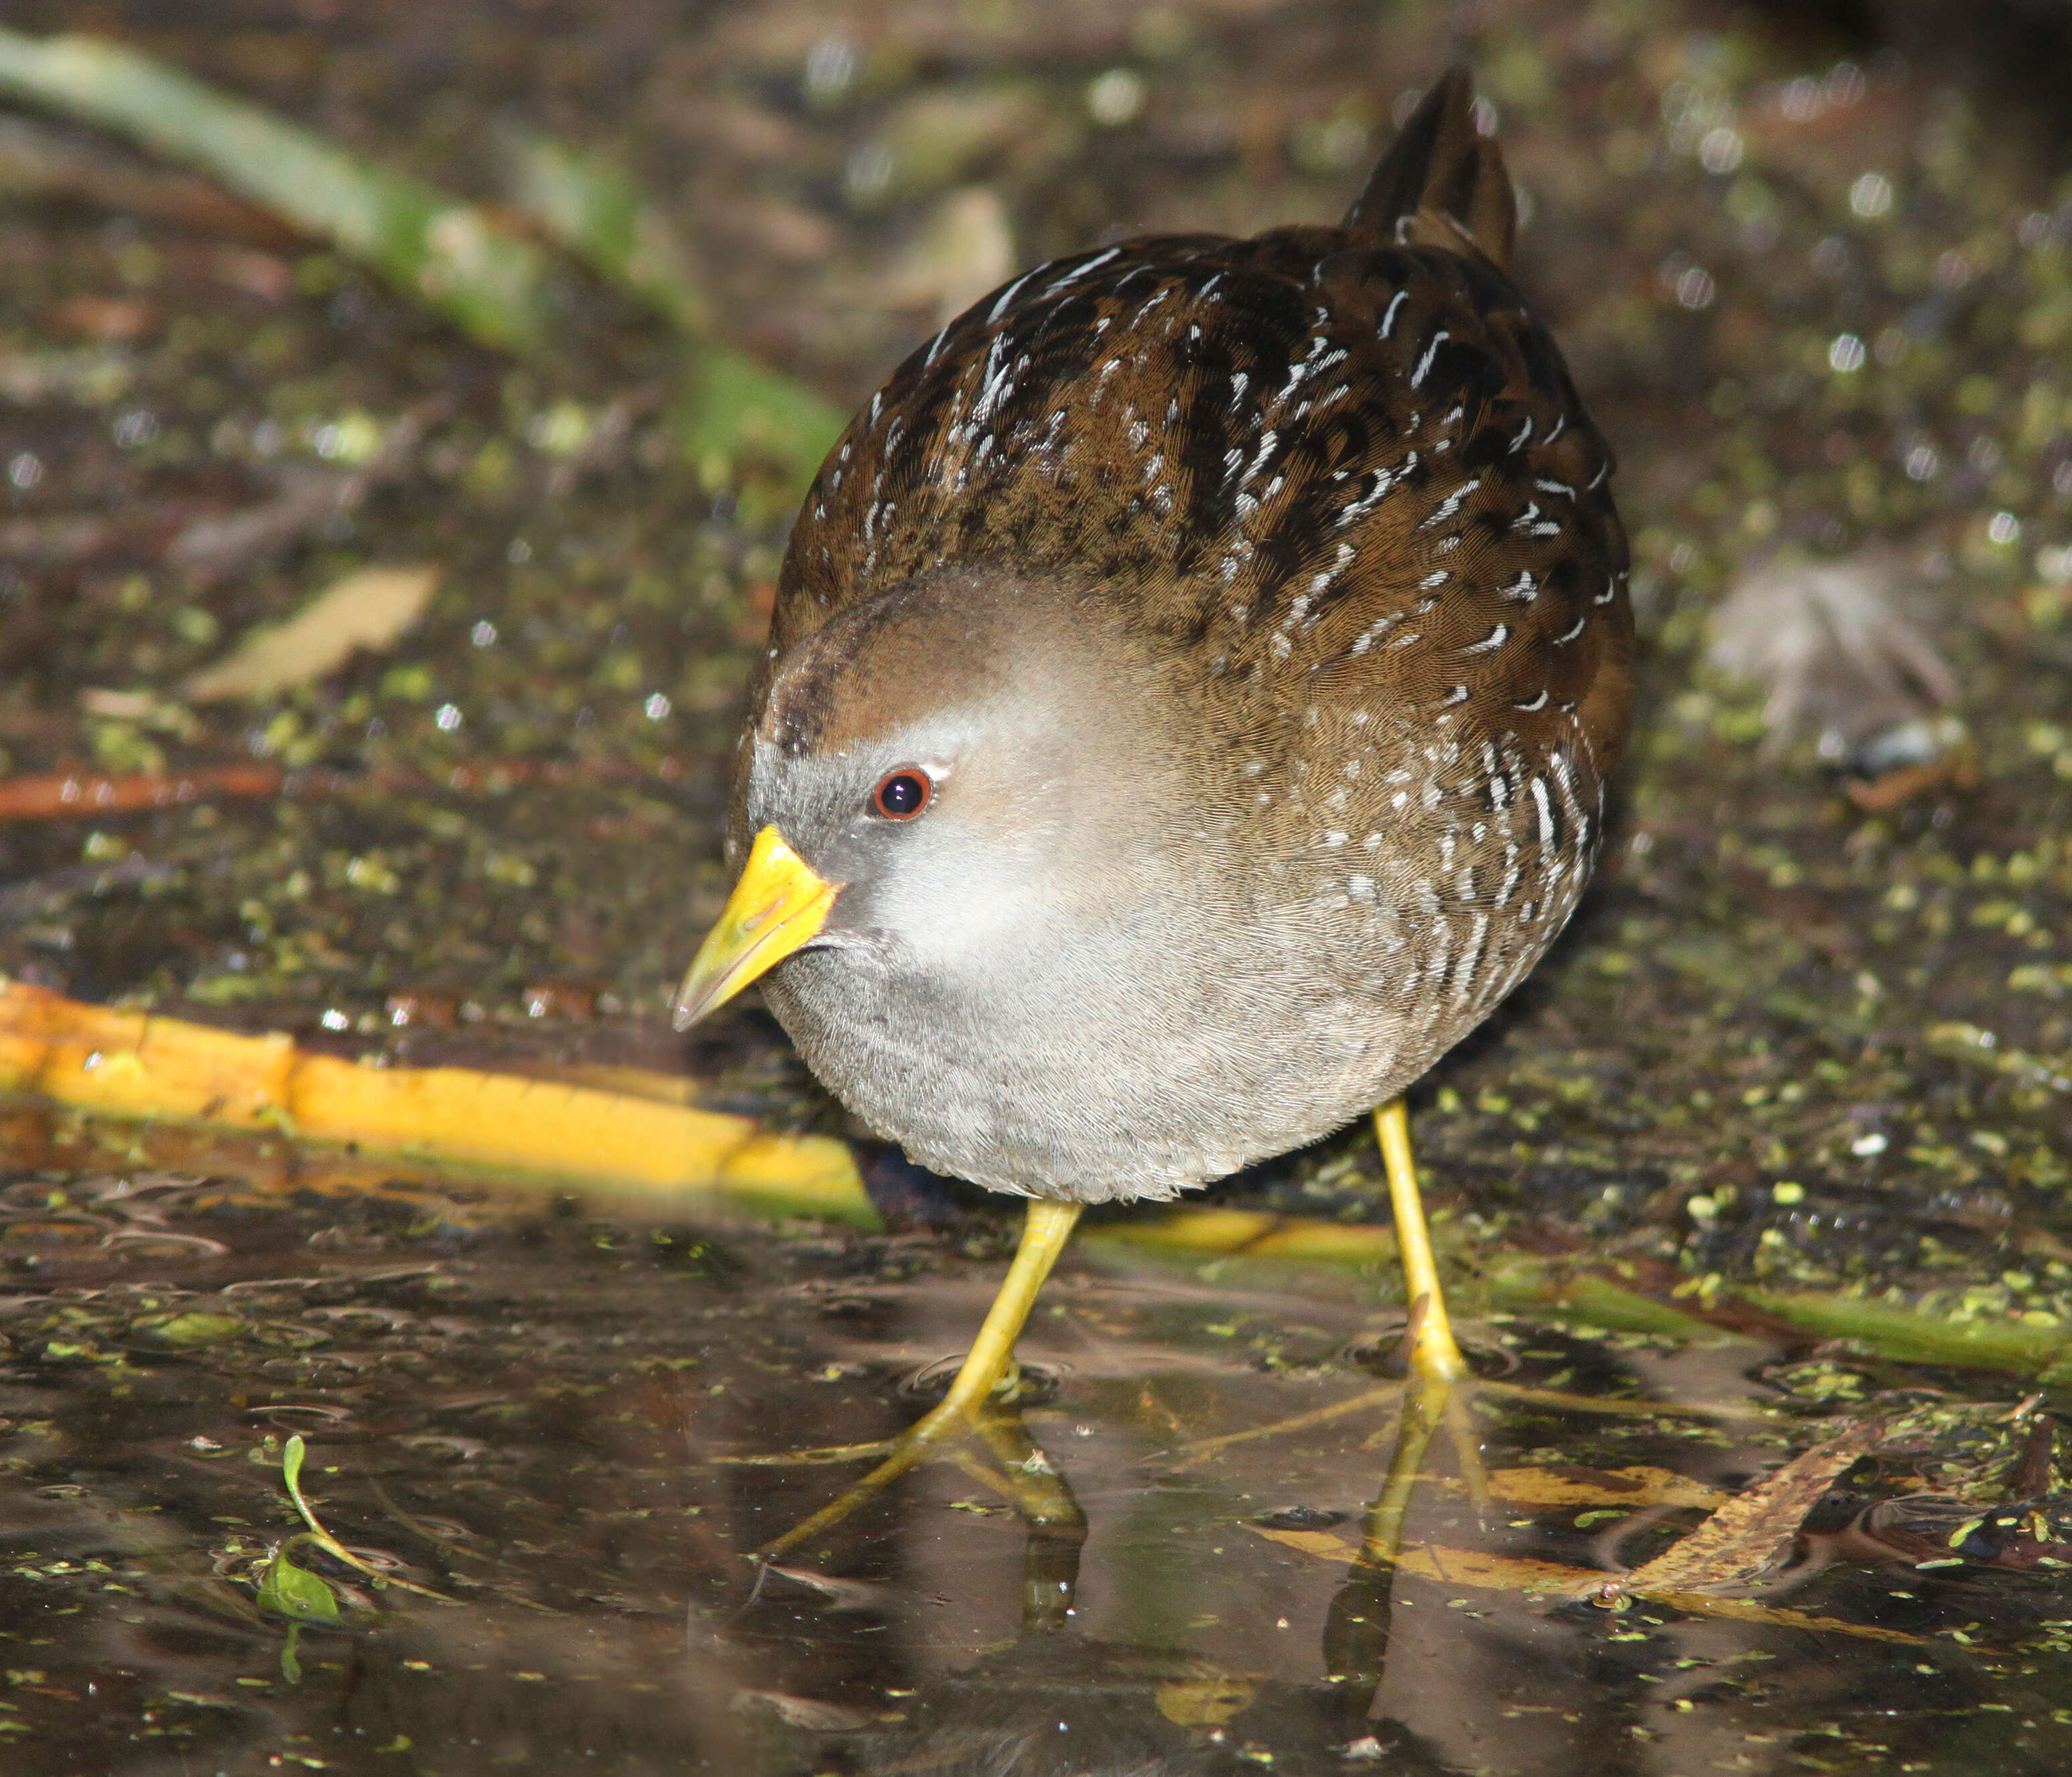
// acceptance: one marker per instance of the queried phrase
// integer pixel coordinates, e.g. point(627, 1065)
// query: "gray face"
point(965, 884)
point(1046, 823)
point(1013, 973)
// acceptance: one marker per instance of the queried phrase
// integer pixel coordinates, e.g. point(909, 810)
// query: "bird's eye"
point(902, 794)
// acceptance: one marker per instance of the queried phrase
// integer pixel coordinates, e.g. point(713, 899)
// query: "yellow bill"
point(778, 906)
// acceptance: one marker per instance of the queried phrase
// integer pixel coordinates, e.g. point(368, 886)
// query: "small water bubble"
point(1800, 101)
point(449, 717)
point(135, 428)
point(1845, 84)
point(484, 634)
point(518, 552)
point(1116, 96)
point(1953, 271)
point(1695, 289)
point(1871, 196)
point(562, 431)
point(657, 706)
point(1921, 463)
point(1846, 354)
point(2004, 528)
point(1720, 150)
point(869, 172)
point(25, 470)
point(830, 69)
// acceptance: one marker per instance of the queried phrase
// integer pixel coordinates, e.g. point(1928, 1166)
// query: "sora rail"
point(1192, 687)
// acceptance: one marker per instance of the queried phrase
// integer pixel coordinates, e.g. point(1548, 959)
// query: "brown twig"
point(63, 795)
point(67, 795)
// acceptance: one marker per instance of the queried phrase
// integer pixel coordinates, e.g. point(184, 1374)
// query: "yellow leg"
point(1043, 1237)
point(1435, 1359)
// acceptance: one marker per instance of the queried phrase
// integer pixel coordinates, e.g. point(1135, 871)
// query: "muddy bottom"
point(1153, 1563)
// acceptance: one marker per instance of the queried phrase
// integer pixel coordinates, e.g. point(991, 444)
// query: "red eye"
point(902, 794)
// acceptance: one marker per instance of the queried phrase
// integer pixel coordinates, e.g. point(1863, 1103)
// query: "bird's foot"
point(1024, 1473)
point(820, 1455)
point(968, 1406)
point(943, 1428)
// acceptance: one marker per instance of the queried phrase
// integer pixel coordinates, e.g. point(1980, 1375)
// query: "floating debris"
point(369, 609)
point(1838, 658)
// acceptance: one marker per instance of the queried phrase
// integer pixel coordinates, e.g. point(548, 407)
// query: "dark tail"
point(1438, 173)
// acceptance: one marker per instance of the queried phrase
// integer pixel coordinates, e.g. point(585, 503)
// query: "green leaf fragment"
point(190, 1331)
point(296, 1592)
point(488, 280)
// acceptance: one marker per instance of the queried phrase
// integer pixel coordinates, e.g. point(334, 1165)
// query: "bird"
point(1191, 690)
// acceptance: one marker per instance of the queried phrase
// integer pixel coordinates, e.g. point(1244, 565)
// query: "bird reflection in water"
point(1056, 1703)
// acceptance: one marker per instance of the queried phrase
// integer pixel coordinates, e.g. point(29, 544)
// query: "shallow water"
point(539, 1415)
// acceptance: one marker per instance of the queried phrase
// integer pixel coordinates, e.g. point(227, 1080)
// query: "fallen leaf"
point(368, 609)
point(1752, 1532)
point(1699, 1604)
point(1322, 1542)
point(1835, 650)
point(1206, 1702)
point(1529, 1578)
point(808, 1712)
point(1634, 1487)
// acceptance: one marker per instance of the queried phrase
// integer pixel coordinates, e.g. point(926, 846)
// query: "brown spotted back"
point(1342, 478)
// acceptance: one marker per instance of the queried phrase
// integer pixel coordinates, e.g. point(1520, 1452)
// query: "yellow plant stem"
point(132, 1064)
